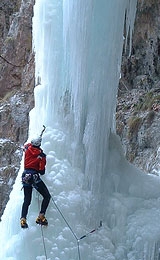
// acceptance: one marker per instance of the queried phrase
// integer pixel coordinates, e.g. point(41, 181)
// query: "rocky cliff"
point(138, 105)
point(16, 88)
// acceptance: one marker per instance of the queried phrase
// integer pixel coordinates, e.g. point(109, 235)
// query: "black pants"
point(42, 189)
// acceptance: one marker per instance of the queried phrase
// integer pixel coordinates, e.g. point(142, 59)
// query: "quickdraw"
point(92, 231)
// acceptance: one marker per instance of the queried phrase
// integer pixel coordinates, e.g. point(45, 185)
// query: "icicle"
point(130, 18)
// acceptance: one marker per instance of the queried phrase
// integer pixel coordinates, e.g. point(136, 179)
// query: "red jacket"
point(34, 158)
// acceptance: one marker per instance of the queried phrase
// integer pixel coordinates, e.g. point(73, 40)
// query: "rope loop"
point(73, 233)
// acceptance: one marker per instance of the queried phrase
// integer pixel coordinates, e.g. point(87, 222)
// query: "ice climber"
point(34, 166)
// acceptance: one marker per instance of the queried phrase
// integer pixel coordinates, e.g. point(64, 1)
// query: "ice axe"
point(44, 128)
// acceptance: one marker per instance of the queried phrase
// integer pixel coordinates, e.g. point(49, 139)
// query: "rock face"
point(138, 106)
point(16, 48)
point(138, 109)
point(16, 88)
point(138, 121)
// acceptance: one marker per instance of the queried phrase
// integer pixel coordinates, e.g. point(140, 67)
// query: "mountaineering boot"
point(23, 223)
point(41, 220)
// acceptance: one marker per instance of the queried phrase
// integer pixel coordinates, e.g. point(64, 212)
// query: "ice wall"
point(78, 47)
point(82, 48)
point(78, 57)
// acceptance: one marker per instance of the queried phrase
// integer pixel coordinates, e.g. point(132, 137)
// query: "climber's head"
point(36, 141)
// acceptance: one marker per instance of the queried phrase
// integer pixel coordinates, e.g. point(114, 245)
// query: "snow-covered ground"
point(130, 223)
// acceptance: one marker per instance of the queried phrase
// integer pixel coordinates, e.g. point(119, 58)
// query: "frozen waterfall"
point(78, 48)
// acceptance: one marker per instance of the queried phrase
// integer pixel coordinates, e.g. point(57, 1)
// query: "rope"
point(73, 233)
point(79, 256)
point(78, 239)
point(64, 219)
point(43, 241)
point(44, 245)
